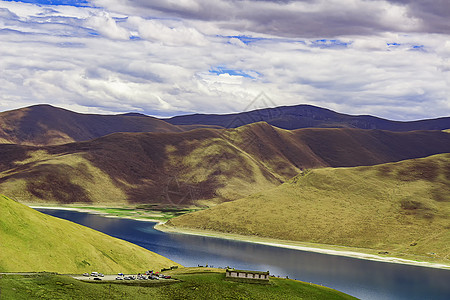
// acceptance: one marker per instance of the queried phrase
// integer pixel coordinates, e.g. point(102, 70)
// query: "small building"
point(244, 274)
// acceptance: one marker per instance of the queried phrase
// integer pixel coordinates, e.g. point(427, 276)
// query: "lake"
point(361, 278)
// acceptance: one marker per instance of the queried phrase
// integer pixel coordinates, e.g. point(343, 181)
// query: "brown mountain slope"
point(402, 208)
point(48, 125)
point(202, 164)
point(308, 116)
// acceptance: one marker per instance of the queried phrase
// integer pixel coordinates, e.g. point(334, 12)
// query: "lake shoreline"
point(307, 247)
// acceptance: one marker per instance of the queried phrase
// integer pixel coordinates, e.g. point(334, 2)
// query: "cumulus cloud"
point(104, 24)
point(170, 57)
point(157, 30)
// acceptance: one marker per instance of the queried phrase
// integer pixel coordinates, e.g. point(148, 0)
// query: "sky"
point(388, 58)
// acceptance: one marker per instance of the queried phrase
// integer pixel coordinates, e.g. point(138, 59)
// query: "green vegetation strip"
point(149, 212)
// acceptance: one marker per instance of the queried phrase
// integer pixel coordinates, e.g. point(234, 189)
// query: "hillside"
point(203, 166)
point(307, 116)
point(31, 242)
point(402, 208)
point(48, 125)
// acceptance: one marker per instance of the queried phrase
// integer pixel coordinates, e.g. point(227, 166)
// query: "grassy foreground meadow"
point(399, 209)
point(193, 283)
point(33, 242)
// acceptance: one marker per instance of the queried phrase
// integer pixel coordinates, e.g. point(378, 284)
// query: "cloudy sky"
point(388, 58)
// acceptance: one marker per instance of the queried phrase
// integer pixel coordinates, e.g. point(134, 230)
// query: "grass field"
point(400, 209)
point(194, 283)
point(32, 242)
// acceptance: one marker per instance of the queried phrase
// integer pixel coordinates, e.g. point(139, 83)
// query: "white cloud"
point(103, 23)
point(84, 58)
point(156, 30)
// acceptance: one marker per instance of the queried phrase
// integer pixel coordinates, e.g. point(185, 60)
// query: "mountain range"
point(54, 155)
point(307, 116)
point(212, 165)
point(356, 181)
point(48, 125)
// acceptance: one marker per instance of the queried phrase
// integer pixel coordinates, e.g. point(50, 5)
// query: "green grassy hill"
point(402, 208)
point(31, 241)
point(194, 284)
point(200, 166)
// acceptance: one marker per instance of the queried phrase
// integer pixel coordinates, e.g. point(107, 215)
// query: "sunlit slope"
point(135, 168)
point(401, 207)
point(199, 166)
point(32, 241)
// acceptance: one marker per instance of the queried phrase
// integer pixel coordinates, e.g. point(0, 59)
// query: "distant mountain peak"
point(307, 116)
point(133, 114)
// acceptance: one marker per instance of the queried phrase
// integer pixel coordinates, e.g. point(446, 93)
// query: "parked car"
point(119, 278)
point(120, 274)
point(101, 275)
point(95, 274)
point(97, 278)
point(86, 274)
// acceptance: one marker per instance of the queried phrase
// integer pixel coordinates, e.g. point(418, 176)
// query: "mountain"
point(48, 125)
point(402, 208)
point(33, 242)
point(307, 116)
point(202, 166)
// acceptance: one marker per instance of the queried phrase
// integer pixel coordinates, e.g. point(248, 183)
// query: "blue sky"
point(388, 58)
point(76, 3)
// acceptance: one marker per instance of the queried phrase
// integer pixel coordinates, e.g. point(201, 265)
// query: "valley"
point(326, 183)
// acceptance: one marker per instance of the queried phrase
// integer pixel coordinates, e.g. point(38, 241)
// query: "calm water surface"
point(360, 278)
